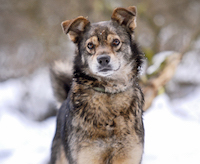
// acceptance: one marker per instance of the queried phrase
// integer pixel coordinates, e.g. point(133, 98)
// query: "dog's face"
point(104, 47)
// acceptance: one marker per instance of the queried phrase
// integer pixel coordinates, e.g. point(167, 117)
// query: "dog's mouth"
point(104, 67)
point(106, 71)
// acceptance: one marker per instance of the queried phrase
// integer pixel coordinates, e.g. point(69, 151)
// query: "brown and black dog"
point(100, 122)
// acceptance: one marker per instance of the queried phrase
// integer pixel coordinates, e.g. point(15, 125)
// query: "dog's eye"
point(115, 42)
point(90, 45)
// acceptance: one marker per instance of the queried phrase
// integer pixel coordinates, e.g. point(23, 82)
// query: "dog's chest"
point(103, 115)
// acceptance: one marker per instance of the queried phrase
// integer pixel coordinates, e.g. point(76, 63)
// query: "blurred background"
point(31, 39)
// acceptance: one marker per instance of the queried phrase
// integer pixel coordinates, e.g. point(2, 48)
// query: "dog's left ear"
point(126, 17)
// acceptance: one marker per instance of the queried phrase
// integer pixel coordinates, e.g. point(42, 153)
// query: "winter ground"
point(172, 129)
point(171, 137)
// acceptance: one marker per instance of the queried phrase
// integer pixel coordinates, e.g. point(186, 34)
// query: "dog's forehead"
point(102, 28)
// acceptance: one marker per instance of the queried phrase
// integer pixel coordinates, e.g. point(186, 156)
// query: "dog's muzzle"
point(104, 63)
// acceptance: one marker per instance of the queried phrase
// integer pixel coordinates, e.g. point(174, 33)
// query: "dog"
point(100, 119)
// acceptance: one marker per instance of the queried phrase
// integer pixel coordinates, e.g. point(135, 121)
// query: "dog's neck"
point(102, 85)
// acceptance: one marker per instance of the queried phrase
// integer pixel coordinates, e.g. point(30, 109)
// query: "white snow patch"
point(32, 95)
point(188, 106)
point(23, 141)
point(169, 138)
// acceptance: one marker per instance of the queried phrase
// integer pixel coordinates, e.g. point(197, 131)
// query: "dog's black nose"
point(103, 60)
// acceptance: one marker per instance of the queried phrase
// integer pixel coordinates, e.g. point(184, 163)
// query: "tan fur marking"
point(93, 40)
point(110, 39)
point(61, 159)
point(133, 24)
point(90, 155)
point(129, 156)
point(105, 49)
point(72, 36)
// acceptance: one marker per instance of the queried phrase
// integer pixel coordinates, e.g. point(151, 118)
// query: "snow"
point(188, 106)
point(24, 141)
point(172, 129)
point(170, 138)
point(31, 95)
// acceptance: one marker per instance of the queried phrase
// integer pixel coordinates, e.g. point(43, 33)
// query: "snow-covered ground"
point(170, 136)
point(23, 141)
point(23, 100)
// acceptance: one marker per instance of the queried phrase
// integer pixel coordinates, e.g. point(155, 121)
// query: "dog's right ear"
point(75, 27)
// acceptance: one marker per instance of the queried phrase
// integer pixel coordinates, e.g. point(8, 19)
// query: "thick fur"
point(100, 122)
point(61, 78)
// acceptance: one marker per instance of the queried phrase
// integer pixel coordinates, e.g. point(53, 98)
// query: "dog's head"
point(106, 49)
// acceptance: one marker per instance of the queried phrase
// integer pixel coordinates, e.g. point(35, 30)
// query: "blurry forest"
point(32, 38)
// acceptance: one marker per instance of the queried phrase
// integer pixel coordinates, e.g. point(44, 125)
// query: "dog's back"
point(100, 122)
